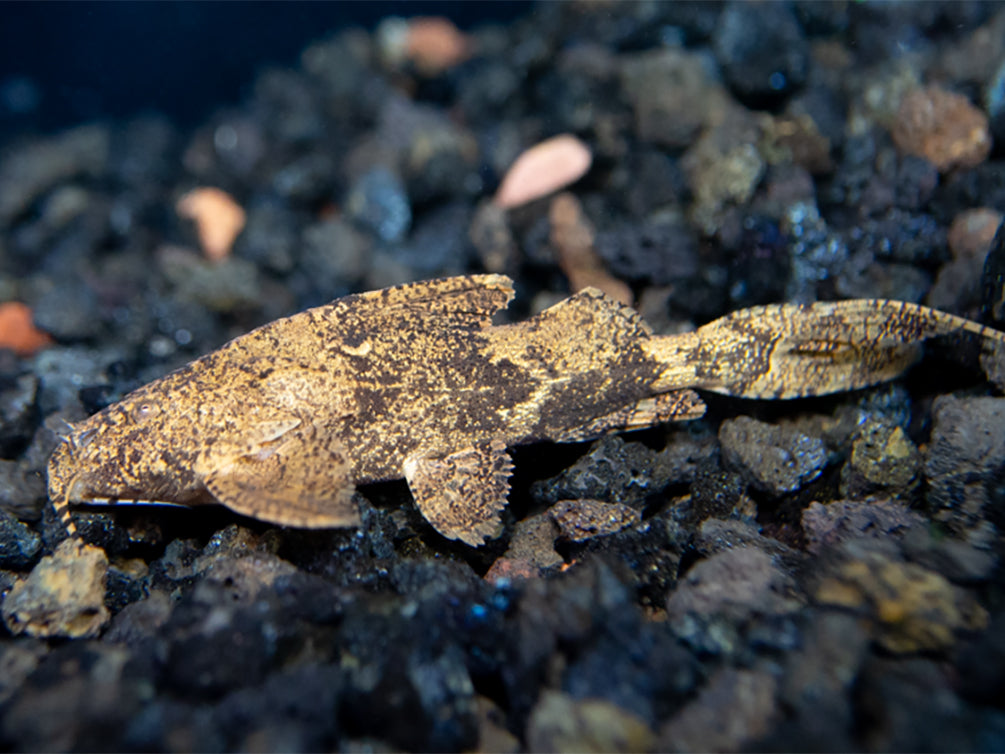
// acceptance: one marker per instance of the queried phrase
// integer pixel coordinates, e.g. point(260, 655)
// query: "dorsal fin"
point(604, 316)
point(467, 301)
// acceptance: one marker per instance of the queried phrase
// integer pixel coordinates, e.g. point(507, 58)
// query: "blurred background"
point(64, 62)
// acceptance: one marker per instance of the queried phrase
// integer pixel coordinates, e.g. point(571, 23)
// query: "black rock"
point(19, 545)
point(761, 49)
point(18, 413)
point(993, 281)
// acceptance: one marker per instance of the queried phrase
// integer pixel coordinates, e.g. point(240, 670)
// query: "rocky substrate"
point(821, 574)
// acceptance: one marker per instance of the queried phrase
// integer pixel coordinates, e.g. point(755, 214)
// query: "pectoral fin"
point(461, 494)
point(296, 478)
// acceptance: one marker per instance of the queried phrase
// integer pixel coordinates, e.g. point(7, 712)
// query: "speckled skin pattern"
point(282, 423)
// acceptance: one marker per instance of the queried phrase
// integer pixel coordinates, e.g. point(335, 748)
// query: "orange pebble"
point(435, 45)
point(218, 219)
point(18, 332)
point(543, 169)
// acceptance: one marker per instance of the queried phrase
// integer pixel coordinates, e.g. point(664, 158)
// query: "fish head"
point(128, 451)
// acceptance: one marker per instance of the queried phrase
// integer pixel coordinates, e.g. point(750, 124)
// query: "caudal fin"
point(793, 351)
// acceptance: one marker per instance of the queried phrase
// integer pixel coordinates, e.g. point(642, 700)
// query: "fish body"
point(414, 381)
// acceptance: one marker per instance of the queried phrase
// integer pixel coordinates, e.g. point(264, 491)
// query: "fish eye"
point(142, 411)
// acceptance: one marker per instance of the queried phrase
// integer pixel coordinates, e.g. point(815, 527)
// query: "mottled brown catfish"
point(413, 381)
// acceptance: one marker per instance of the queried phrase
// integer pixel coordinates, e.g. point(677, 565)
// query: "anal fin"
point(300, 478)
point(461, 494)
point(676, 405)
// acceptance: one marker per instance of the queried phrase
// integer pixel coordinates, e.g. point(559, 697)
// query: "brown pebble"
point(943, 127)
point(572, 236)
point(543, 169)
point(972, 232)
point(579, 520)
point(18, 332)
point(218, 218)
point(64, 595)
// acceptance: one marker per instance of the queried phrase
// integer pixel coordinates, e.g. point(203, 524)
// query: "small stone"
point(218, 217)
point(671, 94)
point(613, 470)
point(27, 173)
point(734, 584)
point(572, 236)
point(335, 256)
point(224, 286)
point(913, 609)
point(18, 331)
point(579, 520)
point(970, 237)
point(22, 491)
point(378, 202)
point(735, 707)
point(762, 52)
point(18, 413)
point(19, 545)
point(531, 550)
point(663, 251)
point(828, 525)
point(883, 459)
point(493, 240)
point(964, 459)
point(773, 459)
point(64, 595)
point(68, 312)
point(993, 281)
point(543, 169)
point(943, 127)
point(561, 723)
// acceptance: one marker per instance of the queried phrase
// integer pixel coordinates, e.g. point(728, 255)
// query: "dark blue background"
point(183, 59)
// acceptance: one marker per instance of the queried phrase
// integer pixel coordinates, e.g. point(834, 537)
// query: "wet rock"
point(962, 562)
point(717, 493)
point(31, 170)
point(492, 732)
point(377, 201)
point(772, 458)
point(735, 584)
point(943, 127)
point(64, 595)
point(68, 312)
point(18, 659)
point(270, 237)
point(912, 608)
point(981, 664)
point(817, 254)
point(139, 621)
point(671, 94)
point(795, 140)
point(912, 705)
point(531, 550)
point(971, 235)
point(435, 248)
point(723, 168)
point(613, 470)
point(964, 458)
point(761, 51)
point(18, 413)
point(735, 707)
point(662, 252)
point(716, 535)
point(817, 682)
point(651, 550)
point(335, 257)
point(883, 460)
point(223, 286)
point(82, 695)
point(579, 520)
point(22, 491)
point(293, 710)
point(562, 724)
point(19, 545)
point(993, 280)
point(492, 238)
point(835, 522)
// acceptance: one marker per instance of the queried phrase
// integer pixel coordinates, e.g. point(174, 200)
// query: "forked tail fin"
point(793, 350)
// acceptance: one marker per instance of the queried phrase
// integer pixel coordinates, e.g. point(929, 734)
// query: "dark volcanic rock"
point(19, 545)
point(771, 458)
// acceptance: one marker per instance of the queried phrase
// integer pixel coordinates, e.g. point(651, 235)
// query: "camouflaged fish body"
point(414, 382)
